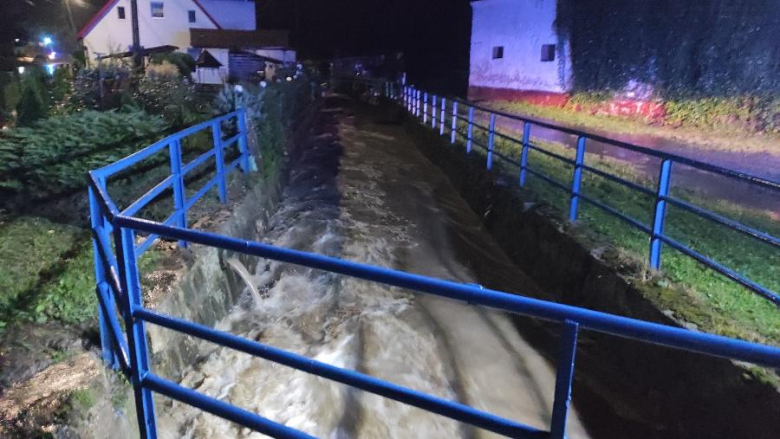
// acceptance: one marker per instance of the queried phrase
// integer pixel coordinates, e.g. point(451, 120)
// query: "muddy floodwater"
point(361, 191)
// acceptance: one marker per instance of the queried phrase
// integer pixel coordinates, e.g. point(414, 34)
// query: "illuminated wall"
point(514, 47)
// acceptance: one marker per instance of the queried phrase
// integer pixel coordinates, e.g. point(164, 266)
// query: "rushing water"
point(361, 193)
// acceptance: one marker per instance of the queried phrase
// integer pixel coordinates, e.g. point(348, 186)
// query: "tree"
point(31, 107)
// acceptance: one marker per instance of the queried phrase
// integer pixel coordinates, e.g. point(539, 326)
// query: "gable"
point(110, 5)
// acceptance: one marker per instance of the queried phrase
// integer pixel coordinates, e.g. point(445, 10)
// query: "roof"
point(223, 38)
point(206, 59)
point(256, 56)
point(111, 3)
point(144, 52)
point(232, 14)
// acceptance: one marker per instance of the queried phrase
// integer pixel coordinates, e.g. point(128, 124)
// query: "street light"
point(46, 41)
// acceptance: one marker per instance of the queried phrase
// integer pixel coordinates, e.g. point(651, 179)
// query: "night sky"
point(434, 34)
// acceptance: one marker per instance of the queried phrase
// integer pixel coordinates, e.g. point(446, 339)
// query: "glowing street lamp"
point(52, 55)
point(47, 41)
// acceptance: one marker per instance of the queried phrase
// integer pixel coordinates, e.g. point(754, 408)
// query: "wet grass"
point(691, 291)
point(721, 140)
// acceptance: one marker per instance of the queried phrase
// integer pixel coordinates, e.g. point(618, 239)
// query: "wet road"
point(361, 191)
point(686, 181)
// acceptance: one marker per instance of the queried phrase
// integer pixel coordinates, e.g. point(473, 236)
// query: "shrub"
point(54, 155)
point(86, 91)
point(184, 63)
point(163, 70)
point(32, 106)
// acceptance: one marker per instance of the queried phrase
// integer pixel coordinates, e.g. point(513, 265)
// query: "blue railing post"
point(96, 221)
point(576, 181)
point(491, 139)
point(418, 103)
point(216, 130)
point(454, 127)
point(433, 111)
point(441, 116)
point(179, 195)
point(563, 380)
point(425, 107)
point(524, 152)
point(470, 130)
point(136, 332)
point(659, 217)
point(242, 139)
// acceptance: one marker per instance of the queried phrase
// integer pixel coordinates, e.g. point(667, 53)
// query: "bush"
point(32, 106)
point(272, 108)
point(54, 155)
point(183, 62)
point(86, 90)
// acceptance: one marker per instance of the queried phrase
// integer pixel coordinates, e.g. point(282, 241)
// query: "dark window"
point(157, 10)
point(498, 52)
point(121, 12)
point(548, 52)
point(191, 14)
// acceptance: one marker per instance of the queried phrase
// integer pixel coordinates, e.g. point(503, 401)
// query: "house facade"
point(230, 26)
point(516, 52)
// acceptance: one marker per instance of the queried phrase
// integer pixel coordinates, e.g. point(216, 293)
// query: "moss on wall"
point(681, 47)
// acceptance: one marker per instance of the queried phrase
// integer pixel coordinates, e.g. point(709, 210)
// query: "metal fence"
point(463, 115)
point(119, 292)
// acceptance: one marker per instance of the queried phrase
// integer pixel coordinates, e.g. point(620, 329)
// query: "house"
point(192, 26)
point(242, 54)
point(516, 52)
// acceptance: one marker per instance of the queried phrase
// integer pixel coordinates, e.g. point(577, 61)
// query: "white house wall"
point(521, 27)
point(214, 76)
point(112, 34)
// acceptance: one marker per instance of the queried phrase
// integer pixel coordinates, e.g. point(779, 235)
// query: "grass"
point(721, 139)
point(693, 292)
point(33, 251)
point(46, 272)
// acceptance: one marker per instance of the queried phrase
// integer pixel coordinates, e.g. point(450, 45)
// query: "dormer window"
point(157, 10)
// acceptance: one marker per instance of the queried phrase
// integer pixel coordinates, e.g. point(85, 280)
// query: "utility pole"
point(70, 17)
point(137, 58)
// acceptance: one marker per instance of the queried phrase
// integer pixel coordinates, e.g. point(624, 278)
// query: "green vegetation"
point(54, 155)
point(46, 268)
point(32, 251)
point(32, 106)
point(183, 62)
point(708, 123)
point(693, 292)
point(701, 48)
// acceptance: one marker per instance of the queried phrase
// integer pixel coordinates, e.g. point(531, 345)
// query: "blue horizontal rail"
point(655, 232)
point(117, 281)
point(361, 381)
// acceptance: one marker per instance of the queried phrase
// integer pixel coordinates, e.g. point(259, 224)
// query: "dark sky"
point(434, 34)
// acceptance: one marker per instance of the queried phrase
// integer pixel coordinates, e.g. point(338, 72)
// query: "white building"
point(173, 23)
point(516, 52)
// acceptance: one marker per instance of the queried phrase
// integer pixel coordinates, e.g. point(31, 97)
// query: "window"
point(191, 15)
point(157, 10)
point(498, 52)
point(121, 12)
point(548, 52)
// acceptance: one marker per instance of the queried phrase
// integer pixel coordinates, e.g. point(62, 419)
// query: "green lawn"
point(34, 257)
point(723, 139)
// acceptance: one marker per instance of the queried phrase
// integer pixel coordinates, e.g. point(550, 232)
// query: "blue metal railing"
point(118, 287)
point(416, 103)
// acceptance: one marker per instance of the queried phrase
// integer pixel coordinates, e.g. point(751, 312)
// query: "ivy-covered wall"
point(684, 48)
